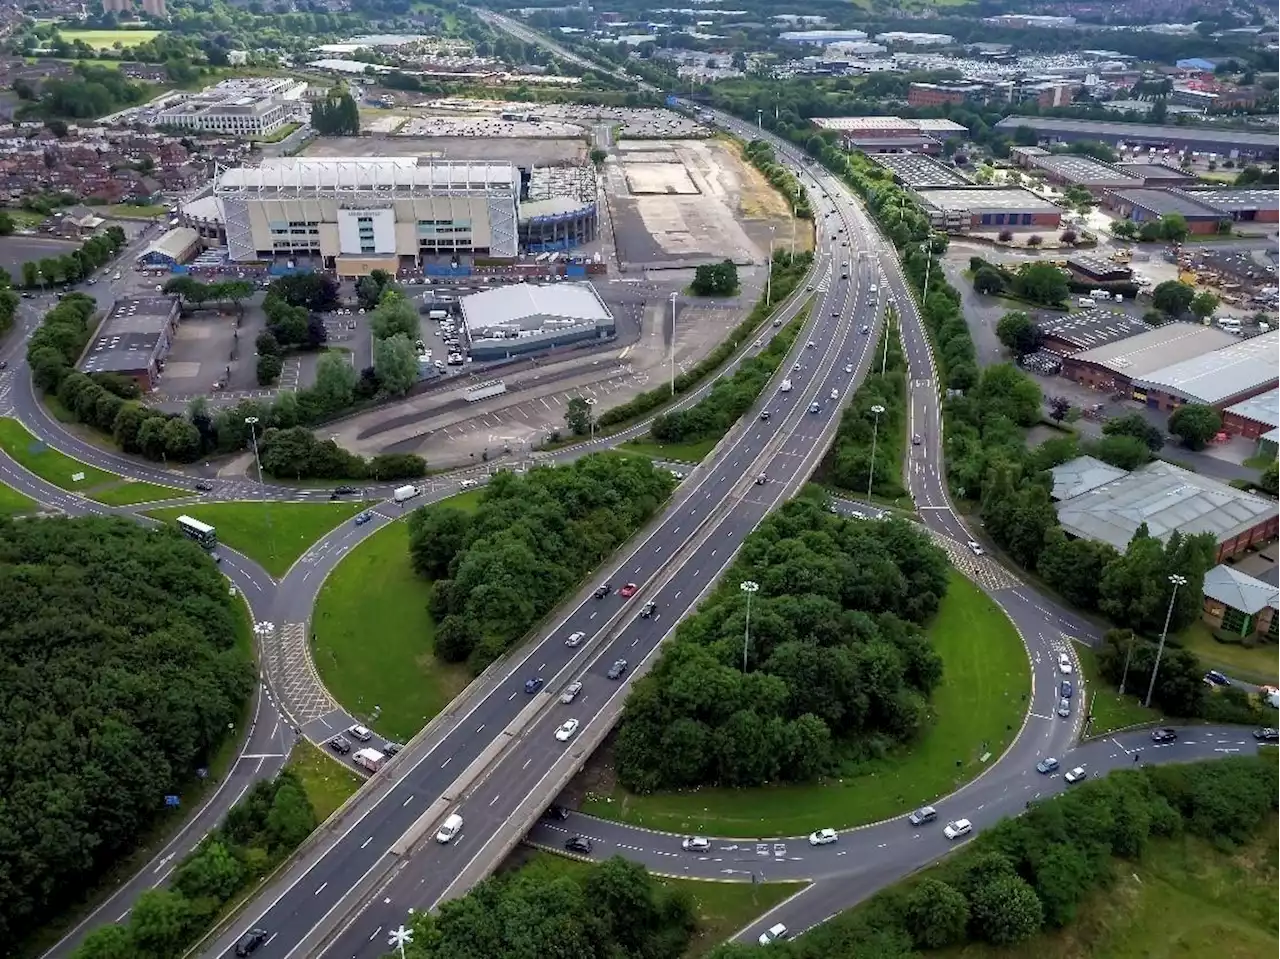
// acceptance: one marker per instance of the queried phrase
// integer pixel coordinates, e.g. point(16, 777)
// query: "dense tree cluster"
point(788, 272)
point(532, 539)
point(1195, 424)
point(74, 266)
point(260, 831)
point(837, 667)
point(1018, 332)
point(848, 465)
point(729, 397)
point(194, 294)
point(337, 116)
point(1034, 872)
point(611, 910)
point(119, 675)
point(1041, 283)
point(715, 279)
point(92, 92)
point(296, 452)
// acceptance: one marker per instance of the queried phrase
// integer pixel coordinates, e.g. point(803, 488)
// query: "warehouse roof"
point(1222, 374)
point(355, 173)
point(1158, 348)
point(174, 243)
point(1081, 475)
point(1232, 200)
point(1263, 408)
point(878, 123)
point(128, 337)
point(1154, 171)
point(1166, 498)
point(1165, 202)
point(1084, 170)
point(915, 169)
point(527, 306)
point(1239, 590)
point(1135, 132)
point(978, 198)
point(1091, 328)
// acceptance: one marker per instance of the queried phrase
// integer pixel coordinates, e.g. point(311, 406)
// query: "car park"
point(578, 844)
point(533, 685)
point(1076, 775)
point(339, 745)
point(566, 730)
point(958, 828)
point(1064, 708)
point(695, 844)
point(648, 609)
point(823, 837)
point(775, 933)
point(617, 669)
point(570, 692)
point(1046, 766)
point(603, 591)
point(575, 639)
point(361, 733)
point(1064, 664)
point(628, 590)
point(923, 815)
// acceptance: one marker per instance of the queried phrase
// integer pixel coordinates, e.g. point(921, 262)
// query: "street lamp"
point(673, 344)
point(875, 430)
point(768, 283)
point(1177, 581)
point(399, 937)
point(252, 422)
point(749, 588)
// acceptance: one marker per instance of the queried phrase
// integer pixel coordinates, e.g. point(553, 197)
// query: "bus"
point(202, 533)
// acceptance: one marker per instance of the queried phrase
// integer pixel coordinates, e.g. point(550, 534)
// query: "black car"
point(390, 749)
point(578, 844)
point(617, 669)
point(204, 486)
point(1164, 735)
point(648, 610)
point(1064, 689)
point(340, 745)
point(1215, 678)
point(344, 490)
point(1267, 735)
point(250, 942)
point(557, 812)
point(603, 591)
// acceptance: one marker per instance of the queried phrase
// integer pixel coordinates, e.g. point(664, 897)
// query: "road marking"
point(445, 763)
point(321, 889)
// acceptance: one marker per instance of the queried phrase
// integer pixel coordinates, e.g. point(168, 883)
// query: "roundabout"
point(494, 757)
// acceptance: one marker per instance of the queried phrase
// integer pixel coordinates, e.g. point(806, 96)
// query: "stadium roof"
point(1222, 374)
point(1239, 590)
point(367, 173)
point(1263, 408)
point(1166, 498)
point(1156, 349)
point(1081, 475)
point(128, 337)
point(1142, 131)
point(524, 307)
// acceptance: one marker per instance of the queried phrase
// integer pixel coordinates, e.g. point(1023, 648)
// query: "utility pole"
point(749, 588)
point(768, 283)
point(1177, 581)
point(888, 331)
point(1124, 677)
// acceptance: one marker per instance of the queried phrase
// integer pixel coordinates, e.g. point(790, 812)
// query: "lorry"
point(404, 493)
point(437, 314)
point(369, 759)
point(786, 386)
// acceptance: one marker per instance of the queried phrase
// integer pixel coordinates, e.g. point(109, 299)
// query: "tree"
point(393, 315)
point(1123, 452)
point(1173, 227)
point(598, 156)
point(160, 923)
point(371, 288)
point(1019, 333)
point(337, 116)
point(1172, 297)
point(1006, 910)
point(436, 536)
point(270, 365)
point(1059, 407)
point(578, 416)
point(715, 279)
point(1035, 239)
point(1074, 566)
point(988, 280)
point(1195, 424)
point(335, 383)
point(396, 364)
point(1203, 304)
point(1041, 283)
point(1005, 236)
point(936, 914)
point(1270, 481)
point(1135, 425)
point(1069, 237)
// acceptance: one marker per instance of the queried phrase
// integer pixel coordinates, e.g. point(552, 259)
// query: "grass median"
point(327, 782)
point(13, 503)
point(375, 640)
point(272, 534)
point(976, 711)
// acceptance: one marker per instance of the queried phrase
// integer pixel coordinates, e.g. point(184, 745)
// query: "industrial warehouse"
point(133, 340)
point(524, 317)
point(355, 215)
point(1262, 146)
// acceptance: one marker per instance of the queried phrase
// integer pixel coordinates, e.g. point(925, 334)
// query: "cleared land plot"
point(978, 708)
point(646, 178)
point(721, 908)
point(1183, 899)
point(328, 783)
point(271, 534)
point(375, 639)
point(17, 250)
point(106, 39)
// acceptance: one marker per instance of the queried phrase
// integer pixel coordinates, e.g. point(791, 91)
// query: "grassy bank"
point(328, 783)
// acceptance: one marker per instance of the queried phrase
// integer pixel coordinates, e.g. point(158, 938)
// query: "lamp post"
point(888, 329)
point(252, 423)
point(768, 283)
point(399, 937)
point(875, 430)
point(673, 344)
point(749, 587)
point(759, 121)
point(1177, 581)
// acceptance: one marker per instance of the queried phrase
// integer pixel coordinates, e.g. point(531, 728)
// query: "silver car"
point(570, 692)
point(1064, 708)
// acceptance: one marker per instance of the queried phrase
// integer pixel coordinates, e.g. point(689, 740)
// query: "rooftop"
point(873, 124)
point(1164, 202)
point(1239, 590)
point(1142, 131)
point(916, 170)
point(524, 307)
point(1263, 408)
point(1154, 349)
point(1154, 171)
point(174, 243)
point(1091, 328)
point(1232, 200)
point(980, 198)
point(1222, 374)
point(362, 173)
point(1083, 170)
point(1166, 498)
point(127, 338)
point(1081, 475)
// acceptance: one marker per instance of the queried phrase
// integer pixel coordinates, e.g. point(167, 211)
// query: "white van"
point(452, 826)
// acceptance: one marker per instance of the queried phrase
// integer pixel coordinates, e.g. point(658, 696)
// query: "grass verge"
point(721, 908)
point(13, 503)
point(271, 534)
point(375, 640)
point(328, 783)
point(50, 465)
point(1110, 710)
point(673, 452)
point(977, 710)
point(130, 493)
point(1184, 898)
point(1259, 663)
point(105, 39)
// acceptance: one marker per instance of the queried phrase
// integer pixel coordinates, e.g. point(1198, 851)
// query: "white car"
point(1064, 664)
point(776, 933)
point(848, 368)
point(1076, 775)
point(570, 692)
point(575, 640)
point(466, 483)
point(823, 837)
point(835, 394)
point(696, 844)
point(566, 730)
point(954, 830)
point(974, 548)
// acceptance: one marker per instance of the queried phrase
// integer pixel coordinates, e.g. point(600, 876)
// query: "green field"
point(1257, 664)
point(977, 709)
point(1184, 900)
point(130, 493)
point(673, 452)
point(722, 908)
point(132, 211)
point(13, 503)
point(272, 534)
point(374, 637)
point(1111, 711)
point(328, 783)
point(106, 39)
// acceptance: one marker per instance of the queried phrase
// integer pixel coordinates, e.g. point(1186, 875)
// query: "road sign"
point(172, 801)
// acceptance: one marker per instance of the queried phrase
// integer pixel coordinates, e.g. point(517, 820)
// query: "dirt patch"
point(759, 201)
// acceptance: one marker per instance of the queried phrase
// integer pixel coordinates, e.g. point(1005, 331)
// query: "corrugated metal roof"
point(1166, 498)
point(528, 306)
point(1081, 475)
point(1239, 590)
point(1156, 349)
point(1141, 132)
point(1263, 408)
point(1221, 374)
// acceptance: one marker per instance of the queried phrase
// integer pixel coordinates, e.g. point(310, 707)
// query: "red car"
point(628, 591)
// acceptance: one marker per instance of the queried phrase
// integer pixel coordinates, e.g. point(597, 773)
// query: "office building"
point(251, 107)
